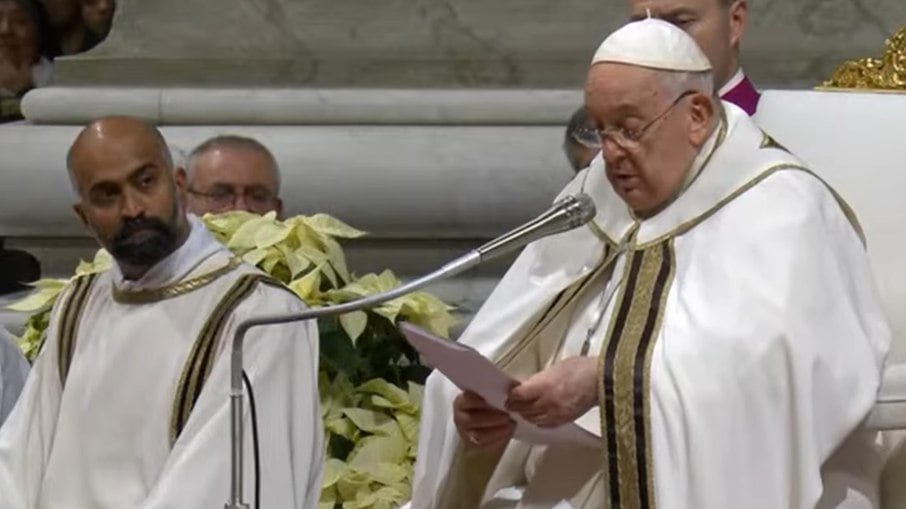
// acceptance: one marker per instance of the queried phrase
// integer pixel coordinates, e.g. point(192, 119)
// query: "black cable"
point(255, 452)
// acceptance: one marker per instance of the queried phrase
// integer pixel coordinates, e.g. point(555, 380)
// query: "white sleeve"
point(26, 437)
point(13, 372)
point(281, 362)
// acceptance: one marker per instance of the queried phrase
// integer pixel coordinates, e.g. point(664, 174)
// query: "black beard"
point(145, 252)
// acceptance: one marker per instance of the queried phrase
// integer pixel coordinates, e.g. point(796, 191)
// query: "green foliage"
point(370, 379)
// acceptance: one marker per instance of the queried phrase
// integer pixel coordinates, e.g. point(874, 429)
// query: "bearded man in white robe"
point(127, 405)
point(716, 324)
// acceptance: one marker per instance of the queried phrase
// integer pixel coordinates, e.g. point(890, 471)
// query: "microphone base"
point(236, 506)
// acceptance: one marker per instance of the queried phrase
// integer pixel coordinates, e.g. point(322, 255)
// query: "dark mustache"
point(134, 225)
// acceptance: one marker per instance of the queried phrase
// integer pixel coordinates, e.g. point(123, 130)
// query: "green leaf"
point(271, 232)
point(393, 394)
point(255, 256)
point(37, 301)
point(409, 425)
point(354, 324)
point(320, 259)
point(243, 236)
point(378, 449)
point(387, 497)
point(271, 259)
point(308, 286)
point(337, 258)
point(368, 420)
point(351, 484)
point(295, 261)
point(101, 262)
point(334, 469)
point(343, 427)
point(386, 473)
point(416, 393)
point(328, 225)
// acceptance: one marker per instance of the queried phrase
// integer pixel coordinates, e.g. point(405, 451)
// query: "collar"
point(721, 169)
point(732, 83)
point(198, 246)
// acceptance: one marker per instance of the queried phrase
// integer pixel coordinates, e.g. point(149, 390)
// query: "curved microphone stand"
point(567, 214)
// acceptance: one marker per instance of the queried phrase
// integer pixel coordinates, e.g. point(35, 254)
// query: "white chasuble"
point(127, 405)
point(740, 348)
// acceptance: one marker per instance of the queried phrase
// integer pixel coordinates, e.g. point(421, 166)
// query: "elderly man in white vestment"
point(716, 324)
point(127, 404)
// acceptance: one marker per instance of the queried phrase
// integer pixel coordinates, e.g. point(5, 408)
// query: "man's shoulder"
point(261, 286)
point(793, 197)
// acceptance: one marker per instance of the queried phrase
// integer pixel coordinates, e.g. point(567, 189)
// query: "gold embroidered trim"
point(767, 141)
point(174, 290)
point(721, 137)
point(624, 370)
point(201, 358)
point(70, 317)
point(692, 223)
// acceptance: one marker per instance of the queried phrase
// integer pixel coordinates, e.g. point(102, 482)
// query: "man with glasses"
point(127, 404)
point(232, 173)
point(717, 26)
point(580, 142)
point(715, 328)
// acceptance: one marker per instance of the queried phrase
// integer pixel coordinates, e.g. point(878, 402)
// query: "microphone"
point(566, 214)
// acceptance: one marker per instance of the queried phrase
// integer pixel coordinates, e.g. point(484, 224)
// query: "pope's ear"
point(701, 116)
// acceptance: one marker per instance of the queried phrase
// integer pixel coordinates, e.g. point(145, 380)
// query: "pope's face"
point(716, 25)
point(650, 135)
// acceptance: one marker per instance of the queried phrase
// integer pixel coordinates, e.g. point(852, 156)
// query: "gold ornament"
point(885, 73)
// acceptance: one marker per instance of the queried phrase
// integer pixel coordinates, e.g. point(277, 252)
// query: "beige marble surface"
point(440, 43)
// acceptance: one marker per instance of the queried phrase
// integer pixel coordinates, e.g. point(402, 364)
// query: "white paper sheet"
point(471, 371)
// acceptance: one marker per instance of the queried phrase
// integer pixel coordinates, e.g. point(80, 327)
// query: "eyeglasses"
point(628, 139)
point(224, 198)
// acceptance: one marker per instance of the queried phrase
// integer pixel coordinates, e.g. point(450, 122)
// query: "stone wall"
point(440, 43)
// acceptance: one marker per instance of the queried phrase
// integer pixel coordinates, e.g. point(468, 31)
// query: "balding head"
point(128, 191)
point(110, 132)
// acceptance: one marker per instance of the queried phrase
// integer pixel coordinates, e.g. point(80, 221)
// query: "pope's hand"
point(559, 395)
point(479, 424)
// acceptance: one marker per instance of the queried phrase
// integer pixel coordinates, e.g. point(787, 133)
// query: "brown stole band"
point(625, 377)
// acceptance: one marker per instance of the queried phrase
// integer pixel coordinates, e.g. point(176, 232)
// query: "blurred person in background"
point(69, 26)
point(26, 43)
point(98, 15)
point(232, 172)
point(581, 143)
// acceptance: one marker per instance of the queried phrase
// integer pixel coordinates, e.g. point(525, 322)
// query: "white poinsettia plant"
point(370, 379)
